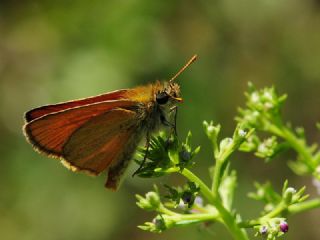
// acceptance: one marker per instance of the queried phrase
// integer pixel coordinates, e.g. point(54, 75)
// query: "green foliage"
point(165, 155)
point(263, 113)
point(179, 207)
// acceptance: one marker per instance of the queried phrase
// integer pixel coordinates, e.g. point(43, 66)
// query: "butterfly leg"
point(145, 155)
point(175, 109)
point(167, 123)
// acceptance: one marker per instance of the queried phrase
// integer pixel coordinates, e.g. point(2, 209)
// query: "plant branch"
point(227, 218)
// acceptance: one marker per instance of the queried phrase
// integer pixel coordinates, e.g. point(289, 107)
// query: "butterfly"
point(101, 133)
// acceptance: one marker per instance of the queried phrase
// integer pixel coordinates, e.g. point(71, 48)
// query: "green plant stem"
point(220, 161)
point(203, 187)
point(304, 206)
point(297, 144)
point(165, 210)
point(276, 130)
point(216, 178)
point(293, 209)
point(227, 218)
point(300, 147)
point(275, 212)
point(201, 217)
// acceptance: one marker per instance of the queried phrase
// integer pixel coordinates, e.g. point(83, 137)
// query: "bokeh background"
point(52, 51)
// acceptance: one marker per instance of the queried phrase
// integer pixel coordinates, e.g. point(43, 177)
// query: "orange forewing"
point(101, 141)
point(141, 94)
point(44, 110)
point(50, 132)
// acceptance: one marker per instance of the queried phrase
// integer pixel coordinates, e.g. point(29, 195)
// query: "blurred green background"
point(52, 51)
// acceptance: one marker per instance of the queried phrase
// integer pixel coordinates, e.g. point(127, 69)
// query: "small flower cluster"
point(269, 224)
point(263, 113)
point(227, 145)
point(182, 206)
point(272, 229)
point(275, 201)
point(267, 148)
point(263, 107)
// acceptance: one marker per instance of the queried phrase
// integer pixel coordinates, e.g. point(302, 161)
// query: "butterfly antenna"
point(194, 57)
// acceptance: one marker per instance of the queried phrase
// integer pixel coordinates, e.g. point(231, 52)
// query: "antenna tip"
point(194, 57)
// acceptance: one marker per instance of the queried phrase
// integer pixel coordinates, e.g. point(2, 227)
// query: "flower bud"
point(242, 133)
point(288, 194)
point(211, 130)
point(199, 201)
point(225, 144)
point(187, 197)
point(153, 198)
point(185, 155)
point(150, 202)
point(284, 227)
point(159, 224)
point(263, 230)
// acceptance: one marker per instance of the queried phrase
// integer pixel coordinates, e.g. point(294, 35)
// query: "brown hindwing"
point(101, 141)
point(49, 133)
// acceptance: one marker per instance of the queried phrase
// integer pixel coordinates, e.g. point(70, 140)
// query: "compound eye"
point(162, 98)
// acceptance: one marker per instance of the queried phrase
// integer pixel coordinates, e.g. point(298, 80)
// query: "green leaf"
point(227, 187)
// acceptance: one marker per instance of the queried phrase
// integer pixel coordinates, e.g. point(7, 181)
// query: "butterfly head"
point(169, 95)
